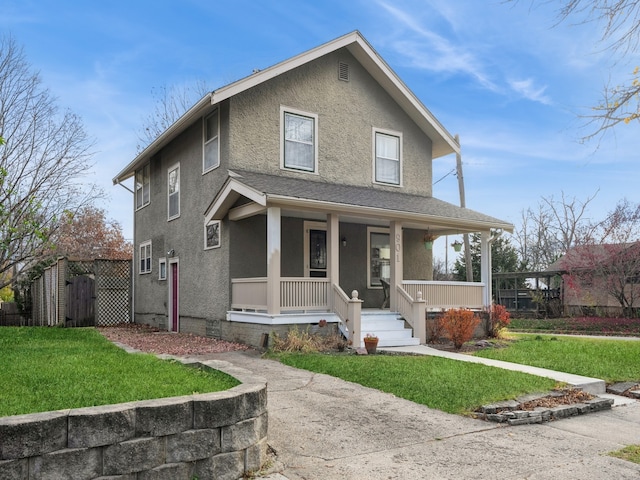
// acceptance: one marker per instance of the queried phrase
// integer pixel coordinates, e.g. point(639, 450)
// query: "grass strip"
point(630, 453)
point(44, 369)
point(610, 360)
point(578, 325)
point(444, 384)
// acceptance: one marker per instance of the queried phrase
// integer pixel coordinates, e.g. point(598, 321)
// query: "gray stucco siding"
point(203, 274)
point(347, 114)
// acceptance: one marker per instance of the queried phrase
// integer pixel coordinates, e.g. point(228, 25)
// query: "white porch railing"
point(348, 311)
point(445, 295)
point(296, 293)
point(305, 294)
point(249, 293)
point(302, 293)
point(412, 309)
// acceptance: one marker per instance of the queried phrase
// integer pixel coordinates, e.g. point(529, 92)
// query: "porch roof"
point(264, 190)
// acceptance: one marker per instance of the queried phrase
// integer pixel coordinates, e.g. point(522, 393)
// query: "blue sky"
point(502, 76)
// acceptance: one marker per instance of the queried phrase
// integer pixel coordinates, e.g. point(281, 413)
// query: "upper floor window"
point(145, 257)
point(211, 148)
point(142, 186)
point(173, 184)
point(299, 141)
point(387, 158)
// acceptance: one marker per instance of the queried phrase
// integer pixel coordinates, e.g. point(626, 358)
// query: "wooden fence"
point(82, 294)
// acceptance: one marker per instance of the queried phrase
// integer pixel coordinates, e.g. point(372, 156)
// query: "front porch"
point(301, 251)
point(309, 300)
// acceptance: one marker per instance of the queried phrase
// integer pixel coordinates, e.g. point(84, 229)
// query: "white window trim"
point(374, 157)
point(142, 246)
point(213, 222)
point(216, 112)
point(135, 187)
point(175, 166)
point(301, 113)
point(162, 261)
point(371, 230)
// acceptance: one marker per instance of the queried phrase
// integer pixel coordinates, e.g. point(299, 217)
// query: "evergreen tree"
point(504, 258)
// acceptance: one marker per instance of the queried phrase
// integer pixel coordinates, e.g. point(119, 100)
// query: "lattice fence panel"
point(77, 268)
point(113, 292)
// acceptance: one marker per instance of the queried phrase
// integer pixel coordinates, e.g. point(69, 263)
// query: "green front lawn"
point(458, 387)
point(448, 385)
point(610, 360)
point(43, 369)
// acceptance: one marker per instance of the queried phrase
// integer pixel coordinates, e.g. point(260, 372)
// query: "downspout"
point(133, 263)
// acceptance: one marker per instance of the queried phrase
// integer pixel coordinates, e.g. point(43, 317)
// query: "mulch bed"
point(153, 340)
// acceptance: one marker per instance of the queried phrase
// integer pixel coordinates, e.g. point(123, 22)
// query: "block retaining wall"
point(220, 435)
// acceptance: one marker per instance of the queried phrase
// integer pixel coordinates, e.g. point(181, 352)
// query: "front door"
point(173, 297)
point(315, 249)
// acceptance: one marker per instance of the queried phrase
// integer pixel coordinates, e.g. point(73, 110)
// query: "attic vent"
point(343, 71)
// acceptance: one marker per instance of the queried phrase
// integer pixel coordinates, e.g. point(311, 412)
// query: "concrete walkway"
point(325, 428)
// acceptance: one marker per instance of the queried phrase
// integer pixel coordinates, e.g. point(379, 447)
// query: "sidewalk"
point(325, 428)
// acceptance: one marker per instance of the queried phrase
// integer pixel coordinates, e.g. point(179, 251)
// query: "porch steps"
point(389, 327)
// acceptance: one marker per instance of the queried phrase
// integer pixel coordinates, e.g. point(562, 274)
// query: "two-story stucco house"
point(294, 195)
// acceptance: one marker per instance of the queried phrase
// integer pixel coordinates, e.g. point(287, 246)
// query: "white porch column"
point(274, 234)
point(397, 274)
point(333, 249)
point(485, 267)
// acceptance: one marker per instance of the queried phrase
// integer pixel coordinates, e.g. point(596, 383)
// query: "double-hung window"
point(173, 191)
point(142, 186)
point(145, 257)
point(387, 158)
point(211, 150)
point(299, 141)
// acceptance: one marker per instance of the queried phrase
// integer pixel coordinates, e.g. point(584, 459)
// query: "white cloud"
point(431, 51)
point(529, 91)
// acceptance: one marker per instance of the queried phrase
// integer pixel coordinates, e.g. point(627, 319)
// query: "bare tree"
point(170, 104)
point(619, 24)
point(548, 232)
point(43, 163)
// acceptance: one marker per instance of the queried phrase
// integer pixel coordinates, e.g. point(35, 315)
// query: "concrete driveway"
point(325, 428)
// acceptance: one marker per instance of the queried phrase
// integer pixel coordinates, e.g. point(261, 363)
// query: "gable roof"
point(263, 189)
point(443, 143)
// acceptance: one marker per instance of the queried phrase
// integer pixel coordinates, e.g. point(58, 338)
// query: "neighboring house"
point(294, 195)
point(602, 279)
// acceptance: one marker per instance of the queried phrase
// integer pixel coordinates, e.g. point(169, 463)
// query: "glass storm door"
point(315, 249)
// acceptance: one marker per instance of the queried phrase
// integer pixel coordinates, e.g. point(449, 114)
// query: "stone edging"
point(510, 412)
point(220, 435)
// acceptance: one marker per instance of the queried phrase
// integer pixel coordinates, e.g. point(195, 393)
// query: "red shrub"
point(459, 325)
point(499, 318)
point(435, 329)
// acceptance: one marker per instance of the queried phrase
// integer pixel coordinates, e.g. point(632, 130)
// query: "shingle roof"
point(402, 203)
